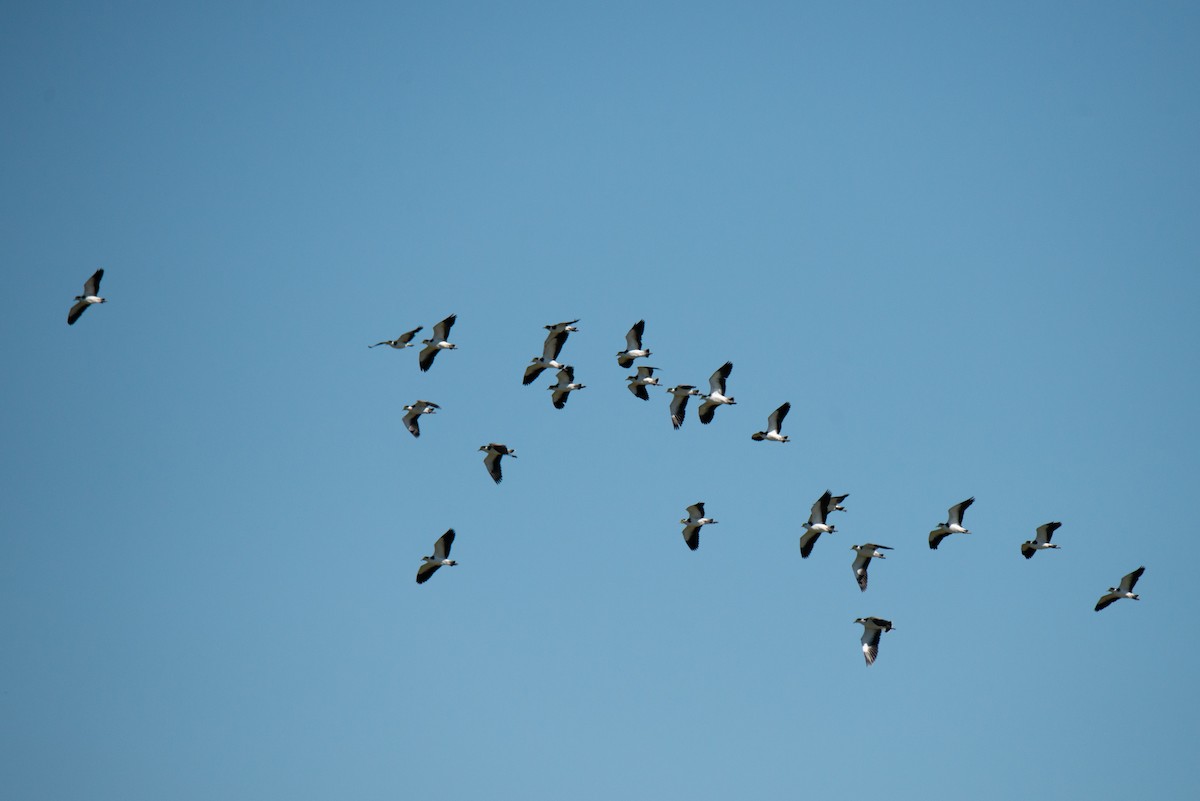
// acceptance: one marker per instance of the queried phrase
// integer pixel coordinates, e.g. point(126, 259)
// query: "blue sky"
point(960, 241)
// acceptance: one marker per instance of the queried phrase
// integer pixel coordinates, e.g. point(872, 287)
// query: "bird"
point(437, 342)
point(1124, 590)
point(633, 345)
point(693, 523)
point(440, 558)
point(1040, 541)
point(89, 296)
point(865, 553)
point(816, 524)
point(550, 350)
point(953, 524)
point(835, 502)
point(716, 396)
point(644, 378)
point(774, 423)
point(400, 342)
point(565, 386)
point(680, 395)
point(491, 460)
point(873, 628)
point(415, 411)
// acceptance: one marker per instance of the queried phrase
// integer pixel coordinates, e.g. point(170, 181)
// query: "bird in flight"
point(437, 342)
point(415, 411)
point(633, 345)
point(774, 423)
point(440, 557)
point(1041, 540)
point(491, 460)
point(873, 628)
point(91, 289)
point(693, 523)
point(400, 342)
point(953, 524)
point(1124, 590)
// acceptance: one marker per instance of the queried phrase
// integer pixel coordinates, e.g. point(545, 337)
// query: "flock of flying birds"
point(873, 627)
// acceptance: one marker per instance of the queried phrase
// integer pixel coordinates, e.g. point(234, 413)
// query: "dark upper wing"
point(775, 420)
point(706, 412)
point(1131, 580)
point(553, 344)
point(807, 540)
point(441, 331)
point(820, 509)
point(426, 570)
point(936, 536)
point(76, 310)
point(427, 355)
point(957, 510)
point(411, 423)
point(441, 548)
point(492, 463)
point(1105, 600)
point(691, 535)
point(678, 409)
point(1046, 531)
point(633, 340)
point(407, 336)
point(716, 381)
point(640, 391)
point(92, 285)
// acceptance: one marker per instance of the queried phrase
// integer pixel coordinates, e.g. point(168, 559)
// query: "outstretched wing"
point(441, 331)
point(775, 420)
point(633, 340)
point(1131, 579)
point(441, 548)
point(492, 463)
point(92, 285)
point(426, 570)
point(553, 344)
point(716, 382)
point(79, 308)
point(957, 510)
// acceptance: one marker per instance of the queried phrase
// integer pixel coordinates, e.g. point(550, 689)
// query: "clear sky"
point(962, 242)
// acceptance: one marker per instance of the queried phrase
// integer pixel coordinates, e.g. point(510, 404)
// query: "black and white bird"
point(693, 523)
point(440, 557)
point(550, 350)
point(873, 628)
point(953, 524)
point(816, 525)
point(1125, 590)
point(644, 378)
point(491, 460)
point(1040, 541)
point(774, 423)
point(415, 411)
point(633, 345)
point(866, 553)
point(565, 386)
point(835, 502)
point(91, 289)
point(716, 396)
point(437, 342)
point(679, 399)
point(400, 342)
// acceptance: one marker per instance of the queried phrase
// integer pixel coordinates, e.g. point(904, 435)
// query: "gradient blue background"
point(963, 243)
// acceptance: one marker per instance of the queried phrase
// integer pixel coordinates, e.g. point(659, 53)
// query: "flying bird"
point(693, 523)
point(1041, 540)
point(644, 378)
point(1125, 590)
point(873, 628)
point(90, 289)
point(633, 345)
point(565, 386)
point(679, 399)
point(437, 342)
point(835, 502)
point(816, 525)
point(865, 553)
point(440, 558)
point(774, 423)
point(953, 524)
point(491, 459)
point(550, 350)
point(716, 396)
point(400, 342)
point(415, 411)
